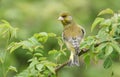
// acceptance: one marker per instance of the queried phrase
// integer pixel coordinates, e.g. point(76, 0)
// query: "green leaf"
point(92, 48)
point(101, 46)
point(34, 41)
point(11, 68)
point(48, 63)
point(116, 47)
point(60, 42)
point(52, 52)
point(108, 50)
point(42, 37)
point(34, 62)
point(51, 69)
point(103, 35)
point(39, 67)
point(42, 58)
point(107, 63)
point(24, 73)
point(13, 46)
point(90, 40)
point(83, 45)
point(106, 22)
point(96, 21)
point(51, 34)
point(27, 45)
point(12, 32)
point(87, 59)
point(6, 30)
point(101, 55)
point(106, 11)
point(31, 44)
point(38, 54)
point(63, 52)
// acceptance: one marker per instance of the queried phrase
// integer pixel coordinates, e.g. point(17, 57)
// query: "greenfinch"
point(72, 36)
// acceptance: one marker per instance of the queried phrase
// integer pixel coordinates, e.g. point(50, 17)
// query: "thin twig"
point(61, 66)
point(84, 50)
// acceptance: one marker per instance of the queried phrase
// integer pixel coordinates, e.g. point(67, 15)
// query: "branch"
point(61, 66)
point(83, 51)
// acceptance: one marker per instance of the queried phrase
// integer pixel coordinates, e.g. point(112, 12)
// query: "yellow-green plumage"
point(72, 36)
point(72, 30)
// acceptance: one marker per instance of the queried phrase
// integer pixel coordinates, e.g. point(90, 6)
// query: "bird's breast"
point(72, 31)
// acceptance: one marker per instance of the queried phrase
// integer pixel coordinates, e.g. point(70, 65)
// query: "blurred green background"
point(34, 16)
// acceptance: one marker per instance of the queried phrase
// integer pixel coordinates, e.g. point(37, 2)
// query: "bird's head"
point(65, 18)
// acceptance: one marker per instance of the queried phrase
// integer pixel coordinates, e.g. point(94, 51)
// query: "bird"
point(72, 36)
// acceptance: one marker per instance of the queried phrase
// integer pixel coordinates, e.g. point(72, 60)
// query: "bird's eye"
point(64, 16)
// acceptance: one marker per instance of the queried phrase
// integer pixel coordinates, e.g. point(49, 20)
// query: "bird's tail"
point(74, 59)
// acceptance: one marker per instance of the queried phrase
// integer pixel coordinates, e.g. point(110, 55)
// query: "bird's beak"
point(60, 18)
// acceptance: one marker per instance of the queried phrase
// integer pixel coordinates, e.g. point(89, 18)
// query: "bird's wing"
point(73, 37)
point(83, 30)
point(73, 42)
